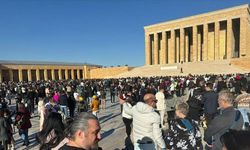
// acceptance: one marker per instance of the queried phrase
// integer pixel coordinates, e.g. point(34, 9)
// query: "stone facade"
point(100, 73)
point(33, 71)
point(218, 35)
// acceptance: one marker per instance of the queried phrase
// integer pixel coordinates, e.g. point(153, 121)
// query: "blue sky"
point(103, 32)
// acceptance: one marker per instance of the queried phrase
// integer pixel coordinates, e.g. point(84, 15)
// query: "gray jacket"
point(228, 119)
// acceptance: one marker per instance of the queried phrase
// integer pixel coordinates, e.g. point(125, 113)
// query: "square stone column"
point(1, 76)
point(156, 51)
point(53, 74)
point(72, 74)
point(199, 49)
point(171, 51)
point(11, 74)
point(78, 74)
point(186, 48)
point(163, 48)
point(147, 50)
point(29, 74)
point(243, 36)
point(205, 36)
point(38, 74)
point(60, 74)
point(216, 40)
point(83, 75)
point(177, 49)
point(20, 75)
point(182, 44)
point(66, 74)
point(194, 50)
point(229, 39)
point(45, 74)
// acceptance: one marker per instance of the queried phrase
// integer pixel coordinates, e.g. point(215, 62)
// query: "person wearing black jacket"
point(210, 100)
point(63, 101)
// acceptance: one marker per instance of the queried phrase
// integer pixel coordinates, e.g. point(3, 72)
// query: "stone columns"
point(194, 50)
point(243, 36)
point(60, 74)
point(171, 52)
point(205, 35)
point(1, 76)
point(29, 74)
point(216, 40)
point(78, 74)
point(37, 74)
point(66, 74)
point(11, 74)
point(229, 39)
point(53, 74)
point(45, 74)
point(72, 74)
point(186, 48)
point(182, 44)
point(147, 49)
point(156, 51)
point(164, 48)
point(20, 75)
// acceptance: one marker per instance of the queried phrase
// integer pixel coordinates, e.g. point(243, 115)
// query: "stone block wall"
point(100, 73)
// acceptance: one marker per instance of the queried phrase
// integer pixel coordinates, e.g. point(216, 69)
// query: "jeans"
point(64, 110)
point(24, 135)
point(138, 146)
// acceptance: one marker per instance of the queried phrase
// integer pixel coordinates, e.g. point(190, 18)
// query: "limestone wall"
point(243, 63)
point(101, 73)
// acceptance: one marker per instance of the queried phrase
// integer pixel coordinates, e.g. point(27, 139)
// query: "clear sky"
point(103, 32)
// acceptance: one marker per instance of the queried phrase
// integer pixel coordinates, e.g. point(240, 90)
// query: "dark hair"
point(233, 140)
point(52, 122)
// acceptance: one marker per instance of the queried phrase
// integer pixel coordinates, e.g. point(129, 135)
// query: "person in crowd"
point(242, 102)
point(95, 105)
point(146, 124)
point(229, 118)
point(235, 140)
point(127, 120)
point(71, 104)
point(23, 123)
point(103, 98)
point(183, 132)
point(52, 135)
point(63, 101)
point(83, 133)
point(11, 141)
point(161, 104)
point(210, 101)
point(3, 130)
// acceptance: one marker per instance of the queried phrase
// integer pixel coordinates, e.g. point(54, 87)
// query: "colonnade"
point(223, 39)
point(8, 74)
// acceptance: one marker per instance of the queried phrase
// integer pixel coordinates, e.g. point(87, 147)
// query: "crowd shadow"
point(108, 117)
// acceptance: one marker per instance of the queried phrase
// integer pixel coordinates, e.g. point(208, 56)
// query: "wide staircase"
point(204, 67)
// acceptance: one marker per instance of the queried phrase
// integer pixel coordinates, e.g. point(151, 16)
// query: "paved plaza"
point(113, 130)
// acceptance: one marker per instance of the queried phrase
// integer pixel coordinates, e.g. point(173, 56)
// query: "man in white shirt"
point(161, 104)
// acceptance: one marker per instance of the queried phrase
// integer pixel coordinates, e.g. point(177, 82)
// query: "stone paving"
point(112, 130)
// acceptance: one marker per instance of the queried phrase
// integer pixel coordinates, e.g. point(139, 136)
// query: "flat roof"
point(21, 62)
point(199, 15)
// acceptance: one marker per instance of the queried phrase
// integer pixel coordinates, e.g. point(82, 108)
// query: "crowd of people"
point(160, 112)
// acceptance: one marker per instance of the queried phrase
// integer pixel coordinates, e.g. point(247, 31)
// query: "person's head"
point(209, 86)
point(181, 110)
point(225, 99)
point(233, 140)
point(150, 99)
point(21, 107)
point(84, 131)
point(53, 123)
